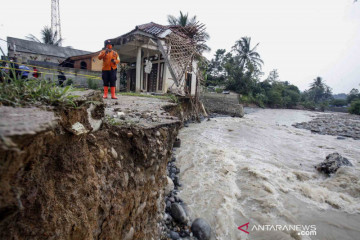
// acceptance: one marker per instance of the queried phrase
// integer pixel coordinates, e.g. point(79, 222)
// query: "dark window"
point(83, 65)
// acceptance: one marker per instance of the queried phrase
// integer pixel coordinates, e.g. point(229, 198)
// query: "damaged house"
point(159, 59)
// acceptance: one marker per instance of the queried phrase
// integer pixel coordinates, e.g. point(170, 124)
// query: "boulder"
point(332, 163)
point(201, 229)
point(174, 235)
point(178, 213)
point(169, 186)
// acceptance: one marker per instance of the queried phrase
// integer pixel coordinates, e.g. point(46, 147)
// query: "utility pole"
point(55, 19)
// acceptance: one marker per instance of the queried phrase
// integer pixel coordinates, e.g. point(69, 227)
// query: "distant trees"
point(240, 71)
point(216, 68)
point(353, 95)
point(354, 100)
point(47, 37)
point(273, 76)
point(355, 107)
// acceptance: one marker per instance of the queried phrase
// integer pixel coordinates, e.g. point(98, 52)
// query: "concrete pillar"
point(138, 70)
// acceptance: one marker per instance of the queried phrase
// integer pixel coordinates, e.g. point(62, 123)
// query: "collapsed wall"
point(64, 174)
point(227, 104)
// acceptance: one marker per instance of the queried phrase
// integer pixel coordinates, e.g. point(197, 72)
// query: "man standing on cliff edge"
point(110, 60)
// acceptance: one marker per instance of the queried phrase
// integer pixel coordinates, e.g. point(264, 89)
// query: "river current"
point(260, 170)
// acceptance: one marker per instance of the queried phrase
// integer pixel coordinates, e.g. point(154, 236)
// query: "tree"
point(319, 91)
point(355, 107)
point(247, 55)
point(216, 70)
point(353, 95)
point(185, 21)
point(47, 37)
point(273, 76)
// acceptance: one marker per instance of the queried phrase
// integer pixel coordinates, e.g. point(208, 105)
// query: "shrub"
point(308, 105)
point(355, 107)
point(69, 82)
point(275, 98)
point(339, 102)
point(17, 92)
point(93, 83)
point(218, 90)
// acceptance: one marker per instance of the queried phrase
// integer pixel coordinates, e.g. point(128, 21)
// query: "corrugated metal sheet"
point(152, 28)
point(45, 49)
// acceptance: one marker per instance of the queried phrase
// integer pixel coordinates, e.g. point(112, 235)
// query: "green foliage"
point(47, 37)
point(274, 98)
point(339, 102)
point(353, 95)
point(308, 105)
point(93, 83)
point(355, 107)
point(69, 82)
point(319, 91)
point(324, 106)
point(173, 98)
point(246, 54)
point(185, 21)
point(18, 92)
point(218, 90)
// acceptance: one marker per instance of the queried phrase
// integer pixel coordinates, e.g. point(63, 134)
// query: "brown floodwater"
point(260, 170)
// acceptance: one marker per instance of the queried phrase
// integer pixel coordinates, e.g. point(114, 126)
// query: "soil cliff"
point(65, 173)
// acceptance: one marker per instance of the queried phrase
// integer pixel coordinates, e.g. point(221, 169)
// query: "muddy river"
point(260, 170)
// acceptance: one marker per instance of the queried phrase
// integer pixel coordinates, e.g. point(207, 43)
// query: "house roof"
point(84, 56)
point(41, 48)
point(152, 28)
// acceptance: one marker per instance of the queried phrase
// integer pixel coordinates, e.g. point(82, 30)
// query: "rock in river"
point(174, 235)
point(178, 213)
point(332, 163)
point(201, 229)
point(169, 186)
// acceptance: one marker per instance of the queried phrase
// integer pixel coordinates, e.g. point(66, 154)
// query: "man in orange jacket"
point(110, 60)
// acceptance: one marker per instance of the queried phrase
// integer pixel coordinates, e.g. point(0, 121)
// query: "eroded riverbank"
point(260, 169)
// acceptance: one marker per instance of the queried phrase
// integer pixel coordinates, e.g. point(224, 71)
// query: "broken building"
point(159, 58)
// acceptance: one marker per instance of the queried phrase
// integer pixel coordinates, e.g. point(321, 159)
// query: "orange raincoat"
point(107, 64)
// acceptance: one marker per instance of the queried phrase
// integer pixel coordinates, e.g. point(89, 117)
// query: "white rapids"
point(259, 169)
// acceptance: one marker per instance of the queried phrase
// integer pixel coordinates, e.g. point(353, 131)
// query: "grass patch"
point(18, 92)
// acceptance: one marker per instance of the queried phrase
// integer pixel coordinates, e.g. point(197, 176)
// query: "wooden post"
point(138, 70)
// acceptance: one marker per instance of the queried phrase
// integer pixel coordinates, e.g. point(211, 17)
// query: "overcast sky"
point(302, 39)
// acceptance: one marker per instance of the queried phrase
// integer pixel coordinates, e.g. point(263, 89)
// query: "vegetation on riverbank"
point(240, 71)
point(19, 92)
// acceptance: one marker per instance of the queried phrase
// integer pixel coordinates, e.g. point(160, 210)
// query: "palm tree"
point(185, 21)
point(318, 83)
point(319, 90)
point(247, 55)
point(47, 37)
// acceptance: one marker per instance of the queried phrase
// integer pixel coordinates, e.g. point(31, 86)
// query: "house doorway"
point(188, 83)
point(152, 78)
point(131, 79)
